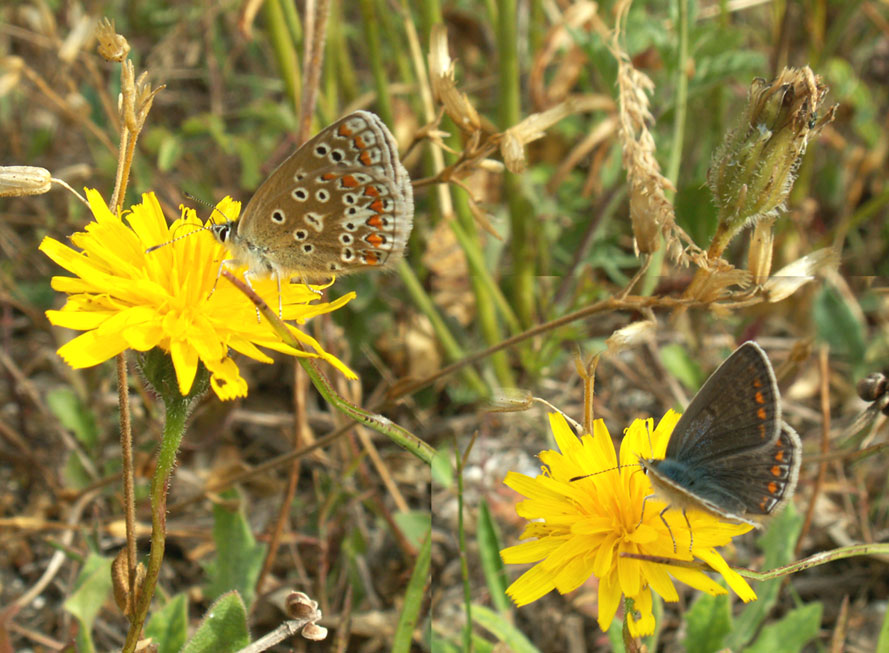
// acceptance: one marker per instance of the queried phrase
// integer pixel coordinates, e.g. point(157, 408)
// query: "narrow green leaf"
point(838, 325)
point(777, 543)
point(91, 589)
point(504, 631)
point(792, 633)
point(708, 622)
point(883, 640)
point(414, 525)
point(678, 363)
point(413, 598)
point(74, 415)
point(223, 629)
point(489, 546)
point(168, 626)
point(169, 152)
point(238, 557)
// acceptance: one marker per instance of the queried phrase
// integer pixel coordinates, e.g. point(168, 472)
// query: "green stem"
point(452, 348)
point(399, 435)
point(520, 212)
point(486, 303)
point(174, 429)
point(372, 48)
point(284, 48)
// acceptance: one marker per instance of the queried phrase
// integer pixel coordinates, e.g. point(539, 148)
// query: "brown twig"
point(126, 457)
point(824, 369)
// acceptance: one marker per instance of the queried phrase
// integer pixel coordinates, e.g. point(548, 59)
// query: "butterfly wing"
point(340, 203)
point(737, 409)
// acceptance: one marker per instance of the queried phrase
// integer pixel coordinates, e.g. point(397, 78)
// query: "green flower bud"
point(754, 169)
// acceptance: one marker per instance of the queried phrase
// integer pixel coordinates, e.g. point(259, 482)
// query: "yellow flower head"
point(124, 298)
point(582, 526)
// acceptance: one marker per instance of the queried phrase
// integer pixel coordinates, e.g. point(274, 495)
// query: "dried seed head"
point(794, 276)
point(510, 400)
point(10, 72)
point(112, 46)
point(759, 260)
point(444, 87)
point(754, 169)
point(630, 335)
point(314, 632)
point(17, 181)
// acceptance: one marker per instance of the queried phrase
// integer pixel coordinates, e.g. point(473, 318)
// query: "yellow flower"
point(582, 526)
point(125, 298)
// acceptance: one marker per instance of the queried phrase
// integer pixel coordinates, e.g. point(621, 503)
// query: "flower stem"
point(126, 456)
point(174, 429)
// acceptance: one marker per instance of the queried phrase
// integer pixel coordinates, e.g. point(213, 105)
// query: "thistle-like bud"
point(754, 169)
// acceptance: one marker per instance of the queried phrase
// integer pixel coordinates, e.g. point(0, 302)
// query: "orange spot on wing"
point(377, 206)
point(371, 191)
point(779, 456)
point(375, 239)
point(759, 398)
point(372, 259)
point(773, 487)
point(374, 221)
point(364, 157)
point(349, 181)
point(327, 176)
point(776, 471)
point(761, 413)
point(344, 131)
point(359, 143)
point(757, 383)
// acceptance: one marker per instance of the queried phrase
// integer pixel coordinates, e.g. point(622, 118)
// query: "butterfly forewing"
point(737, 409)
point(341, 203)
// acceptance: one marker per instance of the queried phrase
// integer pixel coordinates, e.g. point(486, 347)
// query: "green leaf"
point(238, 556)
point(168, 626)
point(91, 589)
point(414, 525)
point(883, 639)
point(778, 544)
point(489, 545)
point(678, 363)
point(708, 622)
point(792, 633)
point(224, 628)
point(413, 598)
point(499, 626)
point(442, 467)
point(74, 415)
point(169, 152)
point(837, 324)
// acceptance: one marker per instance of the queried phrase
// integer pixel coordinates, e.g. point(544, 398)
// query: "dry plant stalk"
point(651, 212)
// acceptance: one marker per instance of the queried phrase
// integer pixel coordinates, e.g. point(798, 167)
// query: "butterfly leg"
point(247, 276)
point(280, 301)
point(306, 284)
point(219, 274)
point(669, 530)
point(691, 537)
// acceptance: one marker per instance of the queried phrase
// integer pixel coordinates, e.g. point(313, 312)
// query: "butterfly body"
point(341, 203)
point(730, 454)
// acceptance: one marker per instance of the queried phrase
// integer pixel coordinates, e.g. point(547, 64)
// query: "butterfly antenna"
point(205, 204)
point(601, 471)
point(173, 240)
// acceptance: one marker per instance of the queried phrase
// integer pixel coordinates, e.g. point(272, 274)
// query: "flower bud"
point(754, 169)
